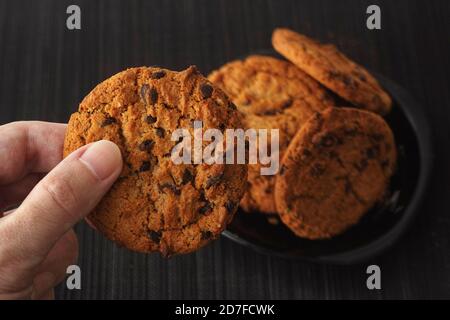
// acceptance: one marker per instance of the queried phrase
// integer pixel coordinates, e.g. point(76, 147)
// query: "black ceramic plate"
point(380, 227)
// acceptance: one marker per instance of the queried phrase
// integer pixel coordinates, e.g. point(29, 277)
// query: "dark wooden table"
point(45, 70)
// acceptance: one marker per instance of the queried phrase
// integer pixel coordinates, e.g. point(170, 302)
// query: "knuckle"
point(61, 193)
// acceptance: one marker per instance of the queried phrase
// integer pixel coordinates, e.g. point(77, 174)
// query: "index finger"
point(29, 147)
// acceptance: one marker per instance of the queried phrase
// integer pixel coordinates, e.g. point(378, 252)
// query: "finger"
point(42, 284)
point(67, 194)
point(29, 146)
point(14, 193)
point(63, 254)
point(23, 283)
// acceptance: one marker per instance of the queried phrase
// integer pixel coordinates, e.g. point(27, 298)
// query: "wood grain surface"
point(45, 70)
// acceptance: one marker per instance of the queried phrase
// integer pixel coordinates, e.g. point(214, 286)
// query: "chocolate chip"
point(170, 187)
point(317, 170)
point(335, 156)
point(351, 132)
point(212, 181)
point(158, 74)
point(283, 169)
point(348, 186)
point(153, 96)
point(148, 95)
point(143, 93)
point(146, 145)
point(155, 236)
point(269, 112)
point(232, 106)
point(187, 176)
point(206, 90)
point(230, 206)
point(206, 235)
point(327, 140)
point(357, 72)
point(108, 121)
point(305, 154)
point(318, 118)
point(347, 80)
point(145, 166)
point(287, 104)
point(205, 208)
point(333, 74)
point(150, 120)
point(373, 152)
point(160, 132)
point(378, 137)
point(362, 165)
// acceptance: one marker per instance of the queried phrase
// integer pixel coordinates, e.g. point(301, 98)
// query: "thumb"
point(66, 195)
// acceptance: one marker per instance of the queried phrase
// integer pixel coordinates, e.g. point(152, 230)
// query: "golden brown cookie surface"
point(157, 205)
point(272, 94)
point(329, 66)
point(335, 169)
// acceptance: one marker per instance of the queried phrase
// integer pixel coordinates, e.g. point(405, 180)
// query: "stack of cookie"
point(336, 161)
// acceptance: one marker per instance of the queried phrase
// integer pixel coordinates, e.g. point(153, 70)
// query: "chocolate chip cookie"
point(326, 64)
point(272, 94)
point(157, 205)
point(335, 169)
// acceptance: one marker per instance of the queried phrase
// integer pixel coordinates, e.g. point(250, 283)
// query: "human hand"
point(37, 242)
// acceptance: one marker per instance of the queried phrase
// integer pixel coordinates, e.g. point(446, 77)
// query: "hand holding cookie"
point(38, 242)
point(337, 162)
